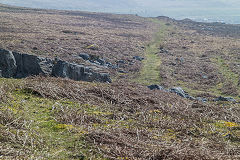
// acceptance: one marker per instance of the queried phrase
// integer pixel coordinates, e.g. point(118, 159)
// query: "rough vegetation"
point(44, 117)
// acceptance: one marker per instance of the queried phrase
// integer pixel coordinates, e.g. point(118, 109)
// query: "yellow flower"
point(64, 126)
point(231, 124)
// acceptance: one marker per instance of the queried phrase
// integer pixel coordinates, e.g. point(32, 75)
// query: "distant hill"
point(201, 10)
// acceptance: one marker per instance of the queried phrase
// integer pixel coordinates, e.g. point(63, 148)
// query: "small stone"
point(101, 61)
point(122, 71)
point(35, 48)
point(155, 86)
point(179, 91)
point(200, 99)
point(205, 77)
point(121, 61)
point(84, 56)
point(228, 99)
point(138, 58)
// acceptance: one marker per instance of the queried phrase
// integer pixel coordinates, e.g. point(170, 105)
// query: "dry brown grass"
point(137, 123)
point(5, 88)
point(16, 136)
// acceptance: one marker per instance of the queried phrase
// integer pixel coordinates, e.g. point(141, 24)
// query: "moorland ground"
point(53, 118)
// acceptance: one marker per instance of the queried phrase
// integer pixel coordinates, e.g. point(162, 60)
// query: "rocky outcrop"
point(28, 65)
point(8, 65)
point(78, 72)
point(18, 65)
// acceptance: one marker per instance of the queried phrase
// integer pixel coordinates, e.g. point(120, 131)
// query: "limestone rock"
point(7, 63)
point(78, 72)
point(179, 91)
point(228, 99)
point(18, 65)
point(28, 65)
point(155, 86)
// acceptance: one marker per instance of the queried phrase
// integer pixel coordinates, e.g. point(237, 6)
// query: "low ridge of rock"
point(18, 65)
point(78, 72)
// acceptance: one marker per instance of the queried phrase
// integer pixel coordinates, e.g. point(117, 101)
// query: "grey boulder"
point(179, 91)
point(101, 61)
point(155, 86)
point(7, 63)
point(200, 99)
point(138, 58)
point(84, 56)
point(28, 65)
point(229, 99)
point(78, 72)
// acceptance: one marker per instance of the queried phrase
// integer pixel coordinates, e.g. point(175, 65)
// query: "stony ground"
point(53, 118)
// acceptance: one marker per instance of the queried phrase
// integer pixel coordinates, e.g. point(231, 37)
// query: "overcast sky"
point(216, 10)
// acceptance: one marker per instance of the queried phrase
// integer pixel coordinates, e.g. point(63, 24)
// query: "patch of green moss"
point(58, 140)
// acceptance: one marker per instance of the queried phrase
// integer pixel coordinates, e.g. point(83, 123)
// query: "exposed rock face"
point(28, 65)
point(78, 72)
point(19, 65)
point(7, 63)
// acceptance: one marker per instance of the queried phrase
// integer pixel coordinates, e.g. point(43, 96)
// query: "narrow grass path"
point(229, 76)
point(149, 73)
